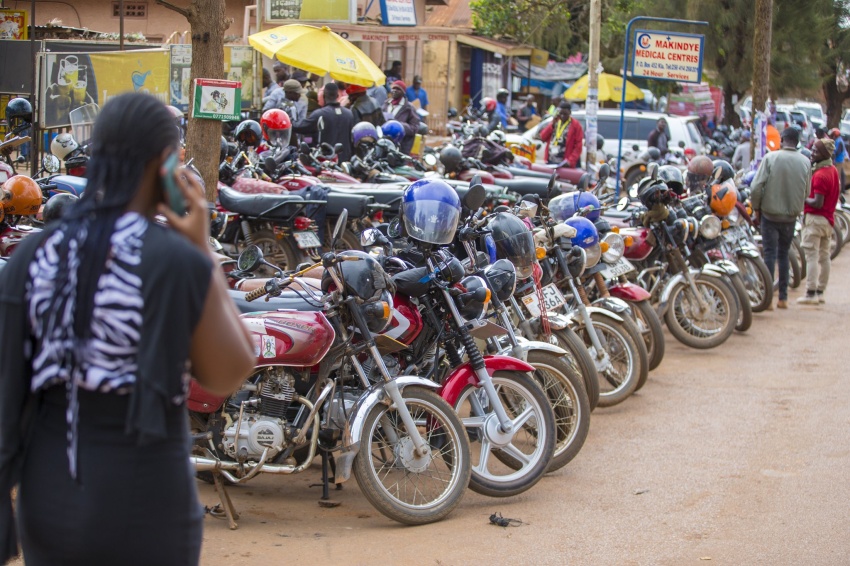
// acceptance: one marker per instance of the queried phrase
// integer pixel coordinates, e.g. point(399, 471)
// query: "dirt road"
point(738, 455)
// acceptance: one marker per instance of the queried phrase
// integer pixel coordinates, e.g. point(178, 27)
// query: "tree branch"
point(182, 11)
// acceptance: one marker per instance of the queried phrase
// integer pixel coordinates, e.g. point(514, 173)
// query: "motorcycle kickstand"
point(327, 462)
point(226, 504)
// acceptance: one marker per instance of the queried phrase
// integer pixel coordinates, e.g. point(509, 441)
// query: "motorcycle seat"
point(269, 206)
point(619, 214)
point(287, 300)
point(70, 184)
point(354, 203)
point(527, 186)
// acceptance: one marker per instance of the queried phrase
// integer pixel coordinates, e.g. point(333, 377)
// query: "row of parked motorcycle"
point(448, 334)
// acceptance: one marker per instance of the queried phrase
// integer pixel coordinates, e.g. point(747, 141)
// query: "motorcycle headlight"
point(594, 253)
point(709, 227)
point(616, 247)
point(733, 216)
point(577, 261)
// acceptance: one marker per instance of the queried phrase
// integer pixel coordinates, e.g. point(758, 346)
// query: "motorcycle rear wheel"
point(836, 242)
point(620, 380)
point(757, 281)
point(686, 331)
point(565, 390)
point(651, 331)
point(580, 360)
point(517, 468)
point(392, 476)
point(276, 251)
point(745, 308)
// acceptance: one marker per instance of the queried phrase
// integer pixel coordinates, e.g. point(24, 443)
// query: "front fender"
point(615, 305)
point(628, 291)
point(671, 285)
point(528, 345)
point(725, 266)
point(464, 376)
point(748, 249)
point(711, 270)
point(371, 398)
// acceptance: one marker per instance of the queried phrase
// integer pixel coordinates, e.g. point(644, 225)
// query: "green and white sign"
point(217, 100)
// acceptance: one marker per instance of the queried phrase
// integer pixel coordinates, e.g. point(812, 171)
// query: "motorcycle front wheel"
point(745, 308)
point(403, 485)
point(650, 328)
point(618, 365)
point(756, 279)
point(836, 242)
point(276, 251)
point(702, 330)
point(508, 463)
point(579, 360)
point(565, 389)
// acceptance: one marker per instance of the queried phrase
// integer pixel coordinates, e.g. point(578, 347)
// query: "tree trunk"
point(208, 22)
point(834, 101)
point(761, 56)
point(731, 117)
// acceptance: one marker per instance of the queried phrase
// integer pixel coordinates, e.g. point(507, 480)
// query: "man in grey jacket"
point(779, 192)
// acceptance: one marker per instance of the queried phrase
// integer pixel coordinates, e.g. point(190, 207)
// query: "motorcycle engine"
point(265, 425)
point(338, 409)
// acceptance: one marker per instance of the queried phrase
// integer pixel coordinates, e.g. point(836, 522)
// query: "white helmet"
point(62, 145)
point(497, 136)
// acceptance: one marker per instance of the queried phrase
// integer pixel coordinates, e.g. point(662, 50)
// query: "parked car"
point(814, 111)
point(801, 119)
point(783, 119)
point(844, 126)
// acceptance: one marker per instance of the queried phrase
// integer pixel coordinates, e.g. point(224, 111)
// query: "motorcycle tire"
point(508, 475)
point(444, 432)
point(795, 271)
point(842, 222)
point(618, 343)
point(690, 335)
point(756, 279)
point(565, 389)
point(836, 242)
point(276, 251)
point(580, 358)
point(652, 332)
point(745, 308)
point(643, 354)
point(350, 240)
point(800, 255)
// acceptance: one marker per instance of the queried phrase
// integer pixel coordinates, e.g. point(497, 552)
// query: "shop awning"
point(493, 46)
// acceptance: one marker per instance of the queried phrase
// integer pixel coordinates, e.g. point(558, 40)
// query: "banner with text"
point(217, 100)
point(238, 66)
point(668, 56)
point(307, 10)
point(398, 13)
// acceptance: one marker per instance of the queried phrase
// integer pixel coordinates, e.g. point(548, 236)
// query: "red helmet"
point(277, 127)
point(488, 104)
point(835, 133)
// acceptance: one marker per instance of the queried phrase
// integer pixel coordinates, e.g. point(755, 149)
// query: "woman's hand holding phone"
point(195, 223)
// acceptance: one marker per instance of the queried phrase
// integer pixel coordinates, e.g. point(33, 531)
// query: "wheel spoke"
point(520, 421)
point(517, 453)
point(484, 457)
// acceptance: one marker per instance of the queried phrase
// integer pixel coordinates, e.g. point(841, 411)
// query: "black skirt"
point(131, 504)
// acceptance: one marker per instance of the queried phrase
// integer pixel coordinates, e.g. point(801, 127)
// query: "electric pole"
point(761, 62)
point(592, 101)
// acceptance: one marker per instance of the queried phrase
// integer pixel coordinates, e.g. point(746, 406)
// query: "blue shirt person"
point(416, 92)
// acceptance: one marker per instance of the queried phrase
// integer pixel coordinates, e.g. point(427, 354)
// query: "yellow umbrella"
point(610, 89)
point(319, 51)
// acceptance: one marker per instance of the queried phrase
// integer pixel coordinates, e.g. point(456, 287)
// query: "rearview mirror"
point(370, 237)
point(552, 186)
point(633, 191)
point(652, 171)
point(304, 148)
point(682, 144)
point(604, 172)
point(50, 163)
point(475, 196)
point(635, 147)
point(321, 124)
point(338, 148)
point(250, 258)
point(270, 164)
point(339, 227)
point(583, 182)
point(430, 160)
point(623, 204)
point(394, 229)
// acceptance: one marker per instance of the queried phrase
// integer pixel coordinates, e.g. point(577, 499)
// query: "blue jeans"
point(776, 239)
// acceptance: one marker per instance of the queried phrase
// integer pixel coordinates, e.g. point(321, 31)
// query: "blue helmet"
point(393, 130)
point(748, 178)
point(566, 205)
point(364, 132)
point(431, 210)
point(586, 237)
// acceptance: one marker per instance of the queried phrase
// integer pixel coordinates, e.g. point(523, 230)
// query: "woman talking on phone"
point(104, 316)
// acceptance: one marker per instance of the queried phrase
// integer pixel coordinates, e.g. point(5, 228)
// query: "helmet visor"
point(279, 138)
point(431, 221)
point(562, 206)
point(519, 250)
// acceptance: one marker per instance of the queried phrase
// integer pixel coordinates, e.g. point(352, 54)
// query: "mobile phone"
point(172, 192)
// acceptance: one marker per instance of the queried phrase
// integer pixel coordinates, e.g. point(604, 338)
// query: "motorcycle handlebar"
point(255, 294)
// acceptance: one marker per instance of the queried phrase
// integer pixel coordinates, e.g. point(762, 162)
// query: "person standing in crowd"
point(818, 221)
point(363, 107)
point(417, 95)
point(526, 112)
point(741, 157)
point(778, 193)
point(281, 73)
point(840, 155)
point(393, 74)
point(659, 137)
point(295, 105)
point(336, 122)
point(398, 108)
point(103, 316)
point(343, 94)
point(565, 138)
point(273, 95)
point(378, 94)
point(502, 107)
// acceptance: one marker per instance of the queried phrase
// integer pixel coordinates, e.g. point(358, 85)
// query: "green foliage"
point(542, 23)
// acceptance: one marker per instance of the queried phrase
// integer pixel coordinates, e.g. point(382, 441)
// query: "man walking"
point(526, 112)
point(818, 222)
point(741, 157)
point(398, 108)
point(417, 95)
point(778, 193)
point(659, 137)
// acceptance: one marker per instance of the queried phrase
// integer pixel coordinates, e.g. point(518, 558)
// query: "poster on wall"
point(308, 10)
point(72, 80)
point(238, 66)
point(217, 100)
point(13, 24)
point(398, 13)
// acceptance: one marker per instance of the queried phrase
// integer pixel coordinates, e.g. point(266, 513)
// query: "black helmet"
point(18, 114)
point(514, 242)
point(249, 132)
point(451, 158)
point(366, 280)
point(600, 142)
point(722, 171)
point(602, 226)
point(502, 93)
point(422, 130)
point(654, 153)
point(501, 276)
point(653, 191)
point(472, 308)
point(222, 154)
point(56, 206)
point(673, 178)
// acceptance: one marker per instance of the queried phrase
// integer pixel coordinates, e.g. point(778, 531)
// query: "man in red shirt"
point(565, 137)
point(819, 219)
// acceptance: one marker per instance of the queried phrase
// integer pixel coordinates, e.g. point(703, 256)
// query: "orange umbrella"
point(773, 138)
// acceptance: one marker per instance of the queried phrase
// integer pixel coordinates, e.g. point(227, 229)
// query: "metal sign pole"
point(626, 66)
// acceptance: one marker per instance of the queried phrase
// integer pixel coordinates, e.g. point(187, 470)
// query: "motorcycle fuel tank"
point(289, 338)
point(641, 247)
point(406, 322)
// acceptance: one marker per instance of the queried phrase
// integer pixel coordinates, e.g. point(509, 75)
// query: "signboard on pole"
point(279, 11)
point(539, 58)
point(13, 24)
point(217, 100)
point(668, 56)
point(398, 13)
point(238, 66)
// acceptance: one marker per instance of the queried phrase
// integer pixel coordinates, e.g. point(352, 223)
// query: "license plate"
point(307, 240)
point(552, 299)
point(622, 267)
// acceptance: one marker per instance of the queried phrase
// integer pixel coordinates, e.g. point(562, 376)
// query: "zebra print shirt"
point(108, 362)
